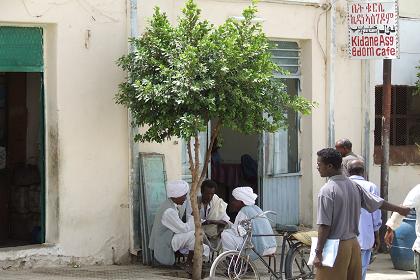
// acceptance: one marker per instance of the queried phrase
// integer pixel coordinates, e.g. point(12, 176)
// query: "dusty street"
point(381, 270)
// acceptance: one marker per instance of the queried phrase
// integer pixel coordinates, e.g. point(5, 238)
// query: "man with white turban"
point(173, 227)
point(244, 202)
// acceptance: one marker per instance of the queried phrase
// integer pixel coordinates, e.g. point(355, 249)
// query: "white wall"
point(87, 144)
point(402, 177)
point(87, 158)
point(404, 69)
point(409, 8)
point(281, 20)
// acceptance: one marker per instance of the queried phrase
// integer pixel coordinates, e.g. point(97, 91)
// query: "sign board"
point(373, 29)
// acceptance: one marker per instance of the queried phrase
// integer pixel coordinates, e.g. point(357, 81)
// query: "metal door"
point(279, 151)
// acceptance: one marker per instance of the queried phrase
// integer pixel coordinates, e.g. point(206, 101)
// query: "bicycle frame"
point(248, 245)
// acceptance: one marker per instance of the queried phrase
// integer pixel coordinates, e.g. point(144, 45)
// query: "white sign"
point(373, 29)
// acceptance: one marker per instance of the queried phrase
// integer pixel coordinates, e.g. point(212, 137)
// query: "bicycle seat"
point(287, 228)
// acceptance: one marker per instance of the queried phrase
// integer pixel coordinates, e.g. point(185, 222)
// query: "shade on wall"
point(21, 49)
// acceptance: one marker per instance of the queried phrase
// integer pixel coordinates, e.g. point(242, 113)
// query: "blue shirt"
point(369, 222)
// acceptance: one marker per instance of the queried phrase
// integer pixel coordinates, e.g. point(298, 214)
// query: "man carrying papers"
point(339, 203)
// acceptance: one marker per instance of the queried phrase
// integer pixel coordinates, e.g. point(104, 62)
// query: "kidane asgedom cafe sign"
point(373, 29)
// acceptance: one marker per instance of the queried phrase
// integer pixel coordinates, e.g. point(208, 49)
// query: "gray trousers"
point(417, 263)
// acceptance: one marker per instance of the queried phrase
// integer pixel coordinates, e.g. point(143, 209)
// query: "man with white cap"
point(173, 228)
point(244, 202)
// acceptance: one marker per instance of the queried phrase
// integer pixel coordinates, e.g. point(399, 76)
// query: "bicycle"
point(237, 264)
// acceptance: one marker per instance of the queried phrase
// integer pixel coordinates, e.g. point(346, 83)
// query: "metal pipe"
point(386, 126)
point(366, 95)
point(133, 155)
point(331, 76)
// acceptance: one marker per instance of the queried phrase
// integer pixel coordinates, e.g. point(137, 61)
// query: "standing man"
point(339, 203)
point(412, 200)
point(173, 228)
point(344, 146)
point(369, 223)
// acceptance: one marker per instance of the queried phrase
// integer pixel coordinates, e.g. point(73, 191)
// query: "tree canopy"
point(180, 77)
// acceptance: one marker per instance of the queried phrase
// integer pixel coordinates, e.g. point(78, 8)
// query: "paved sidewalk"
point(381, 269)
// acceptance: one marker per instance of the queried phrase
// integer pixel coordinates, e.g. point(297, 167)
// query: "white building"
point(79, 139)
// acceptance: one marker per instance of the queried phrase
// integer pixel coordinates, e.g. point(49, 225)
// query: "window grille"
point(405, 116)
point(286, 55)
point(283, 145)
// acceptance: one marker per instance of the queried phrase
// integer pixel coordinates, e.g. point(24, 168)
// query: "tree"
point(181, 77)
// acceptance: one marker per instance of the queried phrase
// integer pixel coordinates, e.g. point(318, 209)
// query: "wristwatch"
point(318, 251)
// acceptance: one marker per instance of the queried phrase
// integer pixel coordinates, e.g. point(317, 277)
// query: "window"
point(283, 155)
point(405, 124)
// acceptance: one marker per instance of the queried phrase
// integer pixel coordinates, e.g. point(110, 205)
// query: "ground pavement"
point(381, 269)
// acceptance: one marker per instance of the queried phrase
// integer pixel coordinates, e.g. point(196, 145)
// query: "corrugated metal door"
point(280, 157)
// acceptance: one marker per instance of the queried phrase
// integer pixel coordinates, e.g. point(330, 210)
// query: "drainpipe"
point(331, 76)
point(134, 152)
point(366, 95)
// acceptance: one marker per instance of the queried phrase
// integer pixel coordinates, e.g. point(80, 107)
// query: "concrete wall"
point(307, 25)
point(87, 134)
point(402, 177)
point(404, 70)
point(409, 8)
point(87, 145)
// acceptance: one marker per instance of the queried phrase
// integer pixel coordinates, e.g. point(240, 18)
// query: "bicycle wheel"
point(230, 265)
point(296, 264)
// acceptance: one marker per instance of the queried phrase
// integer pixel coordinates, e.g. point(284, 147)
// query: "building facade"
point(78, 138)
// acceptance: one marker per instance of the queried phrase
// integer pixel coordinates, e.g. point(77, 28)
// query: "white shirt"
point(239, 218)
point(171, 220)
point(412, 200)
point(369, 222)
point(205, 212)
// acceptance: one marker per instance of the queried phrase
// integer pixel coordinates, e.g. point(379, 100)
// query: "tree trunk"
point(197, 178)
point(198, 245)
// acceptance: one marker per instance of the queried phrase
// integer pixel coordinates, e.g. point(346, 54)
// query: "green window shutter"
point(21, 49)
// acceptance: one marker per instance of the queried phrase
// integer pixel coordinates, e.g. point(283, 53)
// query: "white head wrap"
point(177, 188)
point(245, 194)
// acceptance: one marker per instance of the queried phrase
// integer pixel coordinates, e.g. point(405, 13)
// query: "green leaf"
point(181, 76)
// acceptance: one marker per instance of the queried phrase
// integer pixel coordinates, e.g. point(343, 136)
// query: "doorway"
point(21, 136)
point(21, 159)
point(234, 162)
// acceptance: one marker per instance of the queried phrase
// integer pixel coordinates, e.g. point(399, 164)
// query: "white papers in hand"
point(328, 254)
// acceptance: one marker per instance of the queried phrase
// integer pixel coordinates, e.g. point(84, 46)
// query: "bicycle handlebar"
point(262, 214)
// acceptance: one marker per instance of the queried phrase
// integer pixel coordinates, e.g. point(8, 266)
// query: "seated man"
point(212, 212)
point(244, 202)
point(173, 228)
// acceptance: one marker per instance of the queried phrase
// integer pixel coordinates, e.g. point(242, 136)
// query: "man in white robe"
point(173, 228)
point(212, 212)
point(244, 201)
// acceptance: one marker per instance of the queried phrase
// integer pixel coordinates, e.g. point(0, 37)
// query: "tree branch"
point(214, 134)
point(190, 159)
point(197, 155)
